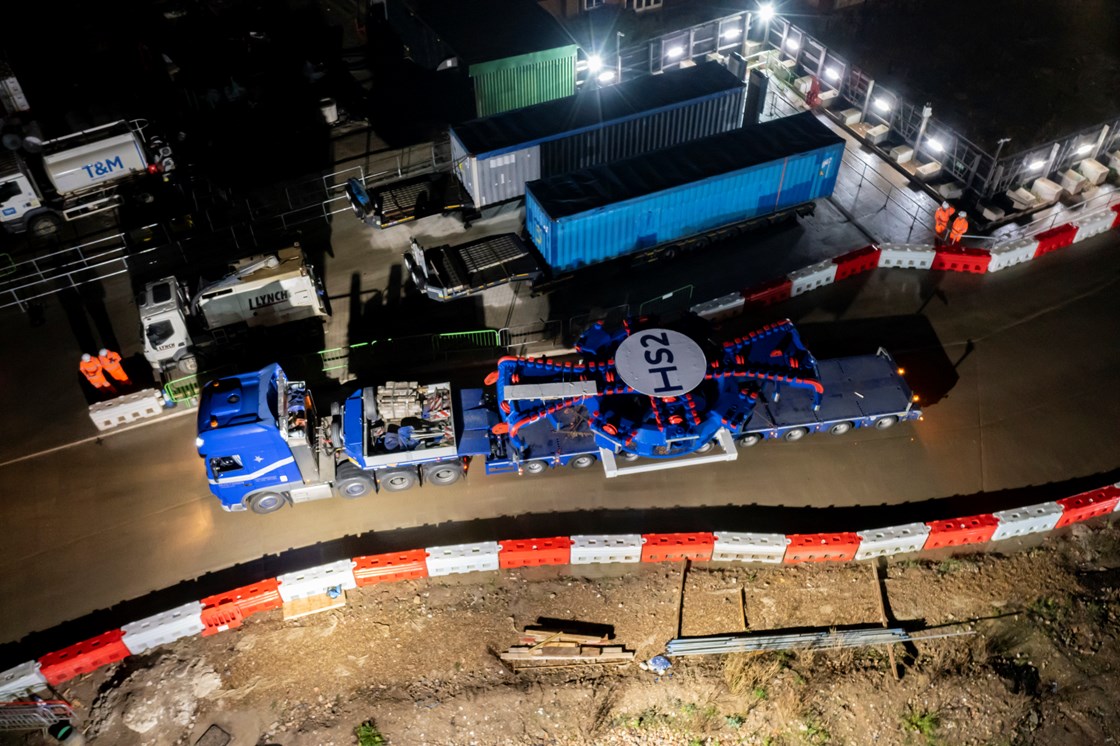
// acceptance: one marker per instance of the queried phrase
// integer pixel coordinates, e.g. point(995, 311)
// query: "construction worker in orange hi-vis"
point(111, 364)
point(941, 220)
point(960, 227)
point(91, 369)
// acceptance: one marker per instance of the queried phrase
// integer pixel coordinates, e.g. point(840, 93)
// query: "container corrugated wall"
point(524, 80)
point(490, 179)
point(607, 232)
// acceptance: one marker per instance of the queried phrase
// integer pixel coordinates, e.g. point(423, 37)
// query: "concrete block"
point(991, 212)
point(851, 116)
point(1023, 199)
point(902, 153)
point(1073, 182)
point(1046, 190)
point(950, 190)
point(927, 171)
point(878, 133)
point(828, 98)
point(1094, 172)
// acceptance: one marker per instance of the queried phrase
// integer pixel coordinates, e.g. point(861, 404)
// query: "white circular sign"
point(661, 363)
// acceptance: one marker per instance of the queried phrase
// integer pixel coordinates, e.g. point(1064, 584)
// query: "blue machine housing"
point(606, 211)
point(621, 419)
point(238, 436)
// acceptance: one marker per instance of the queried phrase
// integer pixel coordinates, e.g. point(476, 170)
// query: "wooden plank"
point(312, 605)
point(880, 594)
point(539, 633)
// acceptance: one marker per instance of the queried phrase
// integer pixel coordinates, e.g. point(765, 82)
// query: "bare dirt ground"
point(417, 661)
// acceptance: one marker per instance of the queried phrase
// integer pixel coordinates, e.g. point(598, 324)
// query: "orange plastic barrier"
point(218, 611)
point(83, 657)
point(556, 550)
point(390, 567)
point(768, 293)
point(1116, 209)
point(954, 532)
point(962, 260)
point(1055, 238)
point(678, 547)
point(1088, 505)
point(856, 262)
point(839, 547)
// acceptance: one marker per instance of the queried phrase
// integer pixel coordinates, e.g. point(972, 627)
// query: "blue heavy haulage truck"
point(641, 397)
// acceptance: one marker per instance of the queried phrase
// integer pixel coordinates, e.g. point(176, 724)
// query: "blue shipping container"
point(606, 211)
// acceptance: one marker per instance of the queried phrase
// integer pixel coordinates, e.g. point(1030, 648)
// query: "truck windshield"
point(224, 464)
point(161, 293)
point(159, 332)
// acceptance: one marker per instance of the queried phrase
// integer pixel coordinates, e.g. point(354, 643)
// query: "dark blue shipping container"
point(606, 211)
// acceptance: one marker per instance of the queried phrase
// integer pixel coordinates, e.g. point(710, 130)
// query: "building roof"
point(485, 30)
point(593, 107)
point(598, 186)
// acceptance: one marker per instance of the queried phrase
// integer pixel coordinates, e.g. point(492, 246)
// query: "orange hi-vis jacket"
point(960, 226)
point(111, 364)
point(94, 374)
point(941, 218)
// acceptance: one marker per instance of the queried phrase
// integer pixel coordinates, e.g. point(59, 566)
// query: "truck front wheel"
point(45, 225)
point(263, 503)
point(351, 482)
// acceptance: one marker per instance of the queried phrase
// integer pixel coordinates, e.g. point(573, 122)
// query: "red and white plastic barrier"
point(812, 277)
point(733, 546)
point(598, 548)
point(159, 629)
point(480, 556)
point(317, 580)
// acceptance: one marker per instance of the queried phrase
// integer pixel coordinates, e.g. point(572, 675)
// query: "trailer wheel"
point(706, 447)
point(351, 482)
point(45, 225)
point(748, 440)
point(582, 461)
point(840, 428)
point(628, 456)
point(397, 481)
point(443, 474)
point(884, 422)
point(535, 467)
point(796, 433)
point(263, 503)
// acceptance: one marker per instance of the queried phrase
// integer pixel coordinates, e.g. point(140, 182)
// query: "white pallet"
point(732, 546)
point(1010, 254)
point(1032, 519)
point(718, 307)
point(317, 580)
point(20, 679)
point(126, 409)
point(812, 277)
point(457, 558)
point(592, 548)
point(906, 255)
point(881, 542)
point(162, 628)
point(1094, 224)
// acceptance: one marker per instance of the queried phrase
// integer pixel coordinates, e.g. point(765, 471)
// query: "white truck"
point(79, 175)
point(265, 290)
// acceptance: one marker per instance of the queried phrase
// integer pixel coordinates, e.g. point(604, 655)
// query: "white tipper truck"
point(78, 175)
point(265, 290)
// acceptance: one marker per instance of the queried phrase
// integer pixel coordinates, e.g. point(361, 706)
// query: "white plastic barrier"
point(1033, 519)
point(1010, 254)
point(162, 628)
point(880, 542)
point(1094, 224)
point(906, 255)
point(719, 307)
point(20, 679)
point(812, 277)
point(126, 409)
point(455, 558)
point(731, 546)
point(317, 580)
point(589, 549)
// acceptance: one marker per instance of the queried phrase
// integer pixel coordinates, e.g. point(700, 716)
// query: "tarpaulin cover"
point(593, 107)
point(484, 30)
point(599, 186)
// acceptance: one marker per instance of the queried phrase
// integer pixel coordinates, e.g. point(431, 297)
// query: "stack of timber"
point(551, 648)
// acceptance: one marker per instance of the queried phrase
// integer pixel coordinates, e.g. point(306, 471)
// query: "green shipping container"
point(523, 80)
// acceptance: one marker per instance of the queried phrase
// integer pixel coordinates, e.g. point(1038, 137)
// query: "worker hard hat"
point(103, 352)
point(964, 214)
point(86, 357)
point(945, 205)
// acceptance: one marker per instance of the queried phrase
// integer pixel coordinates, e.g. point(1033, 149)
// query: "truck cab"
point(19, 199)
point(163, 326)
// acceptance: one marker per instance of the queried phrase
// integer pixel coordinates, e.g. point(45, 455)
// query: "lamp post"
point(618, 49)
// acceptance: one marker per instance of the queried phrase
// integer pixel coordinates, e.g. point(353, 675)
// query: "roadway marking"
point(94, 438)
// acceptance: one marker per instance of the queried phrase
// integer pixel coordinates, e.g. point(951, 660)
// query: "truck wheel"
point(628, 456)
point(535, 467)
point(706, 447)
point(443, 474)
point(44, 226)
point(263, 503)
point(582, 461)
point(397, 481)
point(840, 428)
point(884, 422)
point(187, 365)
point(351, 482)
point(796, 433)
point(748, 440)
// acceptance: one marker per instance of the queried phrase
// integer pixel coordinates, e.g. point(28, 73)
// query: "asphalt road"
point(1021, 367)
